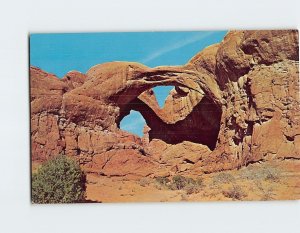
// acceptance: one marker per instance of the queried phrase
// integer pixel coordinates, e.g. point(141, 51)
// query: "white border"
point(18, 18)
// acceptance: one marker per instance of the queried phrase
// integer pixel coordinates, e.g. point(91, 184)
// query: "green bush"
point(59, 180)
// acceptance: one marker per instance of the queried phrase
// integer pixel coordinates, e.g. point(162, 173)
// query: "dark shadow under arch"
point(201, 126)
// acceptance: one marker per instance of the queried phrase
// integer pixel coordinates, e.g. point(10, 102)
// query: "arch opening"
point(161, 93)
point(201, 125)
point(134, 123)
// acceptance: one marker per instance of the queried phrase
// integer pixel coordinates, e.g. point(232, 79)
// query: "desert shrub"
point(59, 180)
point(223, 177)
point(272, 174)
point(188, 184)
point(163, 181)
point(267, 193)
point(194, 186)
point(199, 181)
point(264, 172)
point(235, 192)
point(190, 189)
point(144, 181)
point(178, 182)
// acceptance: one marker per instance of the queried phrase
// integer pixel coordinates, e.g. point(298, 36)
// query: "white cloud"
point(175, 46)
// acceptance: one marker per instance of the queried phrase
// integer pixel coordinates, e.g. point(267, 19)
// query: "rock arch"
point(201, 126)
point(199, 123)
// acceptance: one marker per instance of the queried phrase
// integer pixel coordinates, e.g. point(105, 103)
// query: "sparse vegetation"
point(256, 175)
point(264, 172)
point(179, 182)
point(272, 174)
point(163, 181)
point(235, 192)
point(59, 180)
point(184, 197)
point(144, 182)
point(254, 182)
point(192, 188)
point(188, 184)
point(267, 194)
point(223, 178)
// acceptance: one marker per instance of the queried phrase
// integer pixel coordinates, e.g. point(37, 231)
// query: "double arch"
point(200, 125)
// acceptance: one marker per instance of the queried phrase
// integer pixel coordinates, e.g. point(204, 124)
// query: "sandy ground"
point(261, 181)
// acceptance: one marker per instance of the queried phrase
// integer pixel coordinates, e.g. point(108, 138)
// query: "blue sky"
point(60, 53)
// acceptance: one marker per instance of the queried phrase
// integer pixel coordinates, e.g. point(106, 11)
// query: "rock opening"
point(161, 93)
point(133, 123)
point(201, 125)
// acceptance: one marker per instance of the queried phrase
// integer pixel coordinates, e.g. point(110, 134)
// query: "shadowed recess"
point(201, 126)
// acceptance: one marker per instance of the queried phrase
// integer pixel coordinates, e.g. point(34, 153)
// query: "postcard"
point(165, 116)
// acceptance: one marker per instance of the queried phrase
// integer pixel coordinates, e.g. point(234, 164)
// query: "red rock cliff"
point(234, 103)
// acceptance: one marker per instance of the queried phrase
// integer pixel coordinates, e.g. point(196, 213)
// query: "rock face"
point(234, 103)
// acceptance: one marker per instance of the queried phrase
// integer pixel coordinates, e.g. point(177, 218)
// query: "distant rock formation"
point(234, 103)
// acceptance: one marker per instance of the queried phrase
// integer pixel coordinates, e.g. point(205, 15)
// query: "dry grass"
point(162, 181)
point(223, 178)
point(235, 192)
point(277, 180)
point(179, 182)
point(145, 181)
point(184, 197)
point(266, 193)
point(264, 172)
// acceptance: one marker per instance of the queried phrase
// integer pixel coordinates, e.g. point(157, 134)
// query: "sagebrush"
point(59, 180)
point(179, 182)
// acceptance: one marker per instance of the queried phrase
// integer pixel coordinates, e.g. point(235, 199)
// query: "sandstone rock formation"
point(234, 103)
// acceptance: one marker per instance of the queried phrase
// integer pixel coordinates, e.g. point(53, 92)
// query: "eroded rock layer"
point(234, 103)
